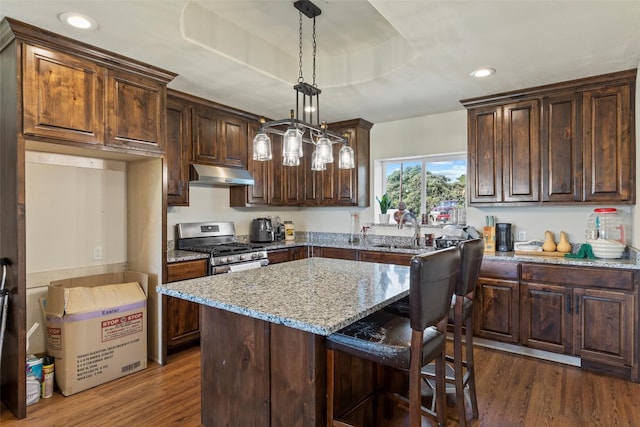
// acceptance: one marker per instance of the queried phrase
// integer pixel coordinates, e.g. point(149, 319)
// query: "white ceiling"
point(380, 60)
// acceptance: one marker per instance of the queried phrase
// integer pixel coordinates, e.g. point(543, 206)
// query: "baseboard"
point(526, 351)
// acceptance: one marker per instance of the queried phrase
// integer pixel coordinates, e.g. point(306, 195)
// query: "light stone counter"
point(316, 295)
point(630, 261)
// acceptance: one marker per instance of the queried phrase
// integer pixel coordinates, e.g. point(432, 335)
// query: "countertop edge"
point(174, 256)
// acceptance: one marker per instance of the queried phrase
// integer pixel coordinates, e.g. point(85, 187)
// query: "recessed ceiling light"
point(78, 20)
point(483, 72)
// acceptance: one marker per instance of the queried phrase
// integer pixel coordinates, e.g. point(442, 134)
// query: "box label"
point(54, 338)
point(119, 327)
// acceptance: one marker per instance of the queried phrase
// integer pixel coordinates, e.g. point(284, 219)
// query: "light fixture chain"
point(300, 78)
point(314, 52)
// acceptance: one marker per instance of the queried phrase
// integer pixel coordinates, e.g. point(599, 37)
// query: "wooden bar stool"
point(405, 343)
point(461, 314)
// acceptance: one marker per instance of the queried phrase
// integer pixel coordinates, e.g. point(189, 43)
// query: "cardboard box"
point(96, 328)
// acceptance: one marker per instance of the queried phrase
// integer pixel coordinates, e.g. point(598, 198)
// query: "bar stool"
point(461, 314)
point(405, 343)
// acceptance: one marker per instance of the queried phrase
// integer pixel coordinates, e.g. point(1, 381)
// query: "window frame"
point(430, 158)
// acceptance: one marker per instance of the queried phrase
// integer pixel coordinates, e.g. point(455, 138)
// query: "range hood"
point(218, 176)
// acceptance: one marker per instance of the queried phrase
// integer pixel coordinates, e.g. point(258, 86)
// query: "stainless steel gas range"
point(218, 239)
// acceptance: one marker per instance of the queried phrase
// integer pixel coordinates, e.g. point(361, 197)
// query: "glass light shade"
point(346, 158)
point(291, 161)
point(292, 145)
point(262, 147)
point(316, 161)
point(325, 150)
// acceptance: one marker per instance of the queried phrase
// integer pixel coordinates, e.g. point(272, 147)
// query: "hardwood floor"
point(512, 391)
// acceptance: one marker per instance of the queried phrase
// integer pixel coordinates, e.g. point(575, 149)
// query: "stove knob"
point(255, 256)
point(223, 260)
point(243, 257)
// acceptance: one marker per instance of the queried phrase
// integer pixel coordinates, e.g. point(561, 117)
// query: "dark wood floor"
point(512, 391)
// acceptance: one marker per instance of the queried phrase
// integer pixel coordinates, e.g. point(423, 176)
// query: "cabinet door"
point(277, 256)
point(182, 318)
point(258, 193)
point(344, 185)
point(545, 317)
point(338, 253)
point(136, 111)
point(521, 151)
point(603, 326)
point(385, 257)
point(311, 179)
point(484, 154)
point(297, 253)
point(286, 181)
point(73, 111)
point(178, 152)
point(232, 140)
point(561, 148)
point(289, 254)
point(292, 180)
point(608, 152)
point(497, 310)
point(205, 136)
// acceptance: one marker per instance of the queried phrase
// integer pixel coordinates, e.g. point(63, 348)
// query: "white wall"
point(212, 204)
point(73, 206)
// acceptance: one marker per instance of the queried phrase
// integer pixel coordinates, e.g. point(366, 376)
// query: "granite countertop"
point(630, 261)
point(316, 295)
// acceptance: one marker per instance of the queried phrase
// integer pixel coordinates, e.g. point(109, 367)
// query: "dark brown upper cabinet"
point(278, 185)
point(73, 111)
point(218, 138)
point(503, 151)
point(204, 132)
point(72, 98)
point(566, 143)
point(178, 152)
point(135, 112)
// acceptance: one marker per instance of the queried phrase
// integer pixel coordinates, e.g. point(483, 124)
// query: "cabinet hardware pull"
point(577, 304)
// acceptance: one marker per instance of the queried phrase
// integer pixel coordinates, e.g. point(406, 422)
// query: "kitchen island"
point(262, 335)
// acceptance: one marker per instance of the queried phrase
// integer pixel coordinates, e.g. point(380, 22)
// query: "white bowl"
point(608, 249)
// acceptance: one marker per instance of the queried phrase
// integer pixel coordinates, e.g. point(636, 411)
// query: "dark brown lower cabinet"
point(586, 312)
point(497, 312)
point(546, 317)
point(287, 254)
point(181, 317)
point(582, 311)
point(363, 255)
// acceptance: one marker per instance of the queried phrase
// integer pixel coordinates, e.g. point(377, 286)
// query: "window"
point(431, 187)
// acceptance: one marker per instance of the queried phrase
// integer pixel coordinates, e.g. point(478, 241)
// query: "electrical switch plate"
point(97, 253)
point(522, 236)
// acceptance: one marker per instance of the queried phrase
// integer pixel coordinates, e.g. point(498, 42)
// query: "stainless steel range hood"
point(219, 176)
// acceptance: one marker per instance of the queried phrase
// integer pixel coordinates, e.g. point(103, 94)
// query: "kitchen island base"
point(259, 373)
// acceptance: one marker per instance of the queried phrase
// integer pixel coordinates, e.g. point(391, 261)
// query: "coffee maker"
point(504, 237)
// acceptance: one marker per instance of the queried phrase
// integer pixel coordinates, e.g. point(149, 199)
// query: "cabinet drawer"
point(186, 270)
point(499, 269)
point(578, 276)
point(386, 257)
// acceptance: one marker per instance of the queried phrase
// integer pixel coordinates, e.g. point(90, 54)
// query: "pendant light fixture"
point(307, 103)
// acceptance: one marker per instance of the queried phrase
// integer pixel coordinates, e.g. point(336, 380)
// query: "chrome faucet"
point(415, 223)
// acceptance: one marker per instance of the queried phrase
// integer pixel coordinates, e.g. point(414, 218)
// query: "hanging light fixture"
point(307, 103)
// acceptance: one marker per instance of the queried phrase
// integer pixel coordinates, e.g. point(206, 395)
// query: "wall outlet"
point(522, 236)
point(97, 253)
